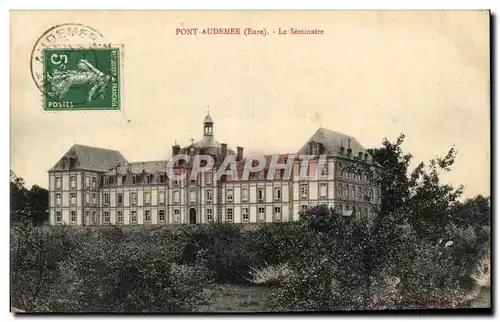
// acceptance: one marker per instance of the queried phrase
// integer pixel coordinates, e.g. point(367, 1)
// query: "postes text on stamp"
point(81, 79)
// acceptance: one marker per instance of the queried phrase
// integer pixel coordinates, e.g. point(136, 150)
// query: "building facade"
point(93, 186)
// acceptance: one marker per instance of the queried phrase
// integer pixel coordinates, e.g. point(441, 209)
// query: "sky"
point(371, 75)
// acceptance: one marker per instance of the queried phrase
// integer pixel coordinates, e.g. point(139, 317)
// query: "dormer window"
point(313, 148)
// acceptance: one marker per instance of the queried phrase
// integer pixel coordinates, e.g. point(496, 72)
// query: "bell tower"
point(208, 125)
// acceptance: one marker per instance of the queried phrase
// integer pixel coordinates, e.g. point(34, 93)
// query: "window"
point(208, 178)
point(365, 193)
point(277, 193)
point(229, 193)
point(341, 209)
point(339, 190)
point(161, 197)
point(106, 217)
point(119, 198)
point(324, 170)
point(147, 215)
point(94, 198)
point(124, 179)
point(244, 212)
point(209, 195)
point(133, 198)
point(262, 214)
point(58, 217)
point(161, 215)
point(72, 182)
point(106, 198)
point(365, 213)
point(346, 191)
point(244, 194)
point(93, 182)
point(176, 196)
point(87, 182)
point(209, 214)
point(133, 216)
point(192, 195)
point(375, 195)
point(358, 177)
point(177, 216)
point(58, 182)
point(322, 189)
point(119, 216)
point(147, 197)
point(134, 179)
point(161, 178)
point(73, 198)
point(229, 214)
point(277, 213)
point(94, 219)
point(359, 193)
point(303, 190)
point(353, 192)
point(260, 194)
point(149, 178)
point(366, 177)
point(106, 181)
point(303, 207)
point(347, 208)
point(58, 198)
point(346, 174)
point(73, 217)
point(87, 197)
point(371, 194)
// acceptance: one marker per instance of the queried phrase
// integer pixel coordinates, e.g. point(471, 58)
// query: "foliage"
point(472, 212)
point(270, 274)
point(62, 270)
point(27, 204)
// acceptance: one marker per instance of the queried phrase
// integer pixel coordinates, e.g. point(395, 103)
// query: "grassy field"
point(236, 298)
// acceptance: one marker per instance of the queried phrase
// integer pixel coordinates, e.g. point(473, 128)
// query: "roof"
point(332, 142)
point(140, 167)
point(208, 119)
point(92, 158)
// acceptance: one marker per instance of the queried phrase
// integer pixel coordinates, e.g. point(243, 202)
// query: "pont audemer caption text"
point(247, 31)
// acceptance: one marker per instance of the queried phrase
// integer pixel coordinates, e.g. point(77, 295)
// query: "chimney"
point(175, 149)
point(349, 150)
point(342, 148)
point(239, 153)
point(224, 150)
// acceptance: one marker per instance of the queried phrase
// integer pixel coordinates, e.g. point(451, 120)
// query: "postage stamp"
point(76, 68)
point(81, 78)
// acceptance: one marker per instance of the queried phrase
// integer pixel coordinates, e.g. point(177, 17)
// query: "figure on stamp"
point(62, 80)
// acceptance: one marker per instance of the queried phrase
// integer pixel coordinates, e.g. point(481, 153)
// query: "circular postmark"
point(67, 35)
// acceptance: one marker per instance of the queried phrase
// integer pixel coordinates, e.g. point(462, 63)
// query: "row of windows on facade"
point(94, 216)
point(162, 178)
point(343, 191)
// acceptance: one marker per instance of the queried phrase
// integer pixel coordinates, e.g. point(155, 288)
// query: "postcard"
point(250, 161)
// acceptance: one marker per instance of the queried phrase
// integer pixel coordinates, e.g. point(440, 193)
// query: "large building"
point(94, 186)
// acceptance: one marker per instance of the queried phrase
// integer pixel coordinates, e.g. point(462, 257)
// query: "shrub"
point(106, 272)
point(270, 274)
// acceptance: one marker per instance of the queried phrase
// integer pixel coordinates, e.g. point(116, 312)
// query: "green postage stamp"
point(81, 79)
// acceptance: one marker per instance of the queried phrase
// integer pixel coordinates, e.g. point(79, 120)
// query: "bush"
point(102, 271)
point(270, 274)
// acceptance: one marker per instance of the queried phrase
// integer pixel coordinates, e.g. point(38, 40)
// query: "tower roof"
point(208, 119)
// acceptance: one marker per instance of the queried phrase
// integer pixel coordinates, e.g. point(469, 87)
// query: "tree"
point(27, 204)
point(473, 211)
point(18, 197)
point(38, 204)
